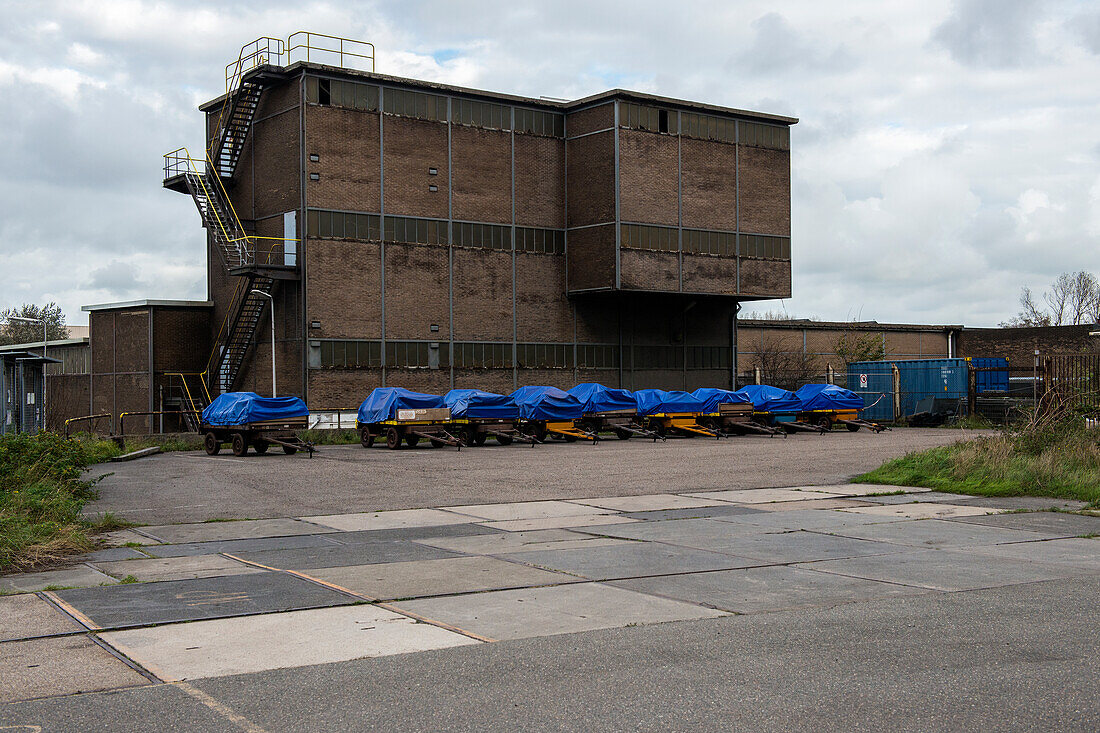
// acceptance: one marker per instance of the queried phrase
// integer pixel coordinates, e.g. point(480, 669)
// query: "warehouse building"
point(417, 234)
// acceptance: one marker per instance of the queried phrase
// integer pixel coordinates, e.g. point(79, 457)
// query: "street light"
point(272, 300)
point(23, 319)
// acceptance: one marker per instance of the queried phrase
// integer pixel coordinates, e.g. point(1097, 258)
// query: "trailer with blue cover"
point(672, 412)
point(404, 417)
point(245, 419)
point(775, 407)
point(828, 406)
point(546, 412)
point(480, 415)
point(726, 411)
point(609, 409)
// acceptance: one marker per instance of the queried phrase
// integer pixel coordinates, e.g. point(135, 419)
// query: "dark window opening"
point(662, 124)
point(324, 92)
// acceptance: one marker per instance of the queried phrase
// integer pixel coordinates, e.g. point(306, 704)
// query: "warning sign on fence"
point(863, 381)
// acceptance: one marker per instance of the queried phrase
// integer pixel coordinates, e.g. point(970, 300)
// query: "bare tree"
point(855, 345)
point(1073, 299)
point(782, 367)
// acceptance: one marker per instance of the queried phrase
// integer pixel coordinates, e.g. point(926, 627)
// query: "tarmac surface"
point(194, 487)
point(829, 606)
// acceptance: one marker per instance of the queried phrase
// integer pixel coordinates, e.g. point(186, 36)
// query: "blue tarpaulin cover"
point(241, 408)
point(765, 398)
point(653, 401)
point(383, 403)
point(828, 397)
point(546, 403)
point(712, 397)
point(595, 397)
point(473, 404)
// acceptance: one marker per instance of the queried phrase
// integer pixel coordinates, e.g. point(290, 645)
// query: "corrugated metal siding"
point(920, 378)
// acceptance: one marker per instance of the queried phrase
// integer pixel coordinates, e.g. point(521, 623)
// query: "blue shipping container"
point(920, 379)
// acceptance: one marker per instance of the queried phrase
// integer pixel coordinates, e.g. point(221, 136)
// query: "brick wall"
point(181, 339)
point(765, 177)
point(592, 257)
point(648, 183)
point(766, 278)
point(345, 288)
point(543, 312)
point(710, 185)
point(412, 147)
point(1018, 345)
point(540, 170)
point(483, 295)
point(346, 143)
point(590, 120)
point(644, 270)
point(591, 179)
point(707, 274)
point(482, 161)
point(416, 291)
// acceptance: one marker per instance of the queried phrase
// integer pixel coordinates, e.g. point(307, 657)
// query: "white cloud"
point(946, 154)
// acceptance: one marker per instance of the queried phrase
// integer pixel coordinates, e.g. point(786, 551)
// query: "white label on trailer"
point(863, 381)
point(406, 414)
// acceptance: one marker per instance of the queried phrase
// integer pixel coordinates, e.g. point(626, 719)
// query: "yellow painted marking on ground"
point(226, 712)
point(72, 611)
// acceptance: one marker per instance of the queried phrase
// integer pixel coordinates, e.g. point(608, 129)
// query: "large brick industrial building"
point(452, 237)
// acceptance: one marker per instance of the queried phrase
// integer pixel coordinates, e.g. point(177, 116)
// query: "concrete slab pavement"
point(630, 560)
point(234, 530)
point(502, 542)
point(761, 496)
point(334, 556)
point(80, 576)
point(238, 645)
point(1080, 553)
point(1058, 524)
point(388, 519)
point(648, 503)
point(189, 600)
point(761, 589)
point(585, 520)
point(27, 615)
point(527, 510)
point(416, 579)
point(921, 510)
point(518, 614)
point(60, 666)
point(944, 570)
point(177, 568)
point(939, 533)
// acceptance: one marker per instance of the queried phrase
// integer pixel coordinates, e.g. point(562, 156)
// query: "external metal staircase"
point(206, 180)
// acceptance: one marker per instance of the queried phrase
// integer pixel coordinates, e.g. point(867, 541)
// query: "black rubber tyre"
point(260, 446)
point(659, 428)
point(623, 434)
point(240, 445)
point(289, 450)
point(212, 444)
point(412, 440)
point(540, 434)
point(479, 439)
point(366, 438)
point(393, 438)
point(852, 428)
point(504, 439)
point(570, 438)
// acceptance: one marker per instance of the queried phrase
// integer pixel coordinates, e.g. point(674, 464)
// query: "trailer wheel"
point(623, 434)
point(659, 428)
point(393, 438)
point(480, 438)
point(412, 440)
point(570, 438)
point(366, 438)
point(289, 450)
point(212, 444)
point(260, 446)
point(852, 428)
point(504, 439)
point(240, 445)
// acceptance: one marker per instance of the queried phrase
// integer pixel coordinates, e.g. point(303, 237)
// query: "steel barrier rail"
point(90, 417)
point(122, 416)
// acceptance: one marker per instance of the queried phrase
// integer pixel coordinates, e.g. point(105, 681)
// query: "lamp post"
point(272, 301)
point(23, 319)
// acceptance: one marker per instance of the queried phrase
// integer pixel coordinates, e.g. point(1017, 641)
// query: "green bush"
point(42, 495)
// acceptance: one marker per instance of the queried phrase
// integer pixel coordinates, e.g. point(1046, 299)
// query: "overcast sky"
point(947, 153)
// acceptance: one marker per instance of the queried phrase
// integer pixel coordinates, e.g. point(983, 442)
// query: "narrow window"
point(324, 92)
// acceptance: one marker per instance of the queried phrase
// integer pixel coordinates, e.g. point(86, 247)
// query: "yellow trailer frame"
point(687, 422)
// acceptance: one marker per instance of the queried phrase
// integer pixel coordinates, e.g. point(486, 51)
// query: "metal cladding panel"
point(919, 378)
point(991, 382)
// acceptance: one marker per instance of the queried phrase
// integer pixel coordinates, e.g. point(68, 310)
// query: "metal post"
point(896, 385)
point(271, 299)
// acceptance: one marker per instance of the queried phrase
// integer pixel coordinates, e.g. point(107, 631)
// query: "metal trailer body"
point(829, 419)
point(623, 423)
point(685, 424)
point(736, 418)
point(567, 430)
point(409, 426)
point(259, 435)
point(475, 431)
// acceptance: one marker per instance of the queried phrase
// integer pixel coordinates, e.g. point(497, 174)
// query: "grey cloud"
point(1087, 28)
point(117, 277)
point(777, 48)
point(990, 33)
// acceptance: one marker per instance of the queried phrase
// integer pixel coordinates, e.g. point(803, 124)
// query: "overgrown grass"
point(1049, 453)
point(41, 497)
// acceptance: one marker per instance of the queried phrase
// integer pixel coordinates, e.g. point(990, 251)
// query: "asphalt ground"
point(1013, 658)
point(194, 487)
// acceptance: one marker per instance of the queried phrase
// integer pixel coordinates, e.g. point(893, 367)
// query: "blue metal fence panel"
point(919, 379)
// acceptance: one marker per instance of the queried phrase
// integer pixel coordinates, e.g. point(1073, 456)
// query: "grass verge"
point(41, 498)
point(1051, 455)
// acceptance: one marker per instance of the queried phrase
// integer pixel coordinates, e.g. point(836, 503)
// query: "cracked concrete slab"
point(80, 576)
point(177, 568)
point(564, 609)
point(920, 510)
point(938, 533)
point(1079, 553)
point(1058, 524)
